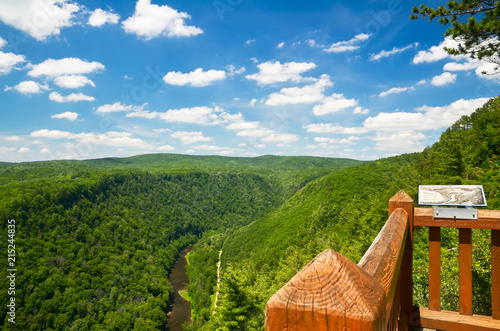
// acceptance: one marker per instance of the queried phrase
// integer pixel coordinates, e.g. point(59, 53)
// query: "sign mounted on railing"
point(452, 195)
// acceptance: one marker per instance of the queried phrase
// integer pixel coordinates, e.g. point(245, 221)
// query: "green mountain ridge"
point(344, 211)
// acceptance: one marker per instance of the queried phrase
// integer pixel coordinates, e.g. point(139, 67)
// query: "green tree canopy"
point(474, 25)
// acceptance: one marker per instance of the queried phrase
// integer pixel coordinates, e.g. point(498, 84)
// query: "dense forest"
point(95, 239)
point(344, 211)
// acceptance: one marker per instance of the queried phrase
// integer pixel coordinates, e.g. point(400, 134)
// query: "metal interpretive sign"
point(451, 195)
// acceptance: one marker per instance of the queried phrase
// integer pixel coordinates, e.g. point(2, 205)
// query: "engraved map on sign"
point(451, 195)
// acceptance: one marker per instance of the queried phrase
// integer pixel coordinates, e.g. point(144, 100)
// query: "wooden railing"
point(333, 293)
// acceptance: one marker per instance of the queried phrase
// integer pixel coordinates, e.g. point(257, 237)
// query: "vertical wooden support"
point(465, 271)
point(434, 268)
point(495, 274)
point(403, 200)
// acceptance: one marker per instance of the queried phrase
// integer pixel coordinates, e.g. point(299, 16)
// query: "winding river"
point(180, 309)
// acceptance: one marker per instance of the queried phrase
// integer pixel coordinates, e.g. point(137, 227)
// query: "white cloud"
point(233, 71)
point(393, 51)
point(333, 104)
point(435, 53)
point(71, 116)
point(275, 72)
point(252, 102)
point(250, 41)
point(444, 79)
point(283, 138)
point(258, 132)
point(360, 110)
point(9, 61)
point(254, 59)
point(100, 17)
point(195, 115)
point(14, 138)
point(29, 87)
point(73, 81)
point(306, 94)
point(330, 128)
point(3, 42)
point(68, 66)
point(4, 150)
point(187, 137)
point(24, 150)
point(347, 46)
point(110, 138)
point(396, 90)
point(73, 97)
point(197, 78)
point(150, 21)
point(281, 44)
point(39, 18)
point(45, 150)
point(426, 118)
point(456, 66)
point(165, 148)
point(118, 106)
point(400, 142)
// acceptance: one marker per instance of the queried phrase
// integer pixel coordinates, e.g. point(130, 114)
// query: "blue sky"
point(93, 79)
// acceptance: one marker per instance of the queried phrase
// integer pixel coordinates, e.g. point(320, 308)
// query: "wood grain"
point(487, 219)
point(450, 320)
point(465, 271)
point(330, 293)
point(495, 274)
point(434, 268)
point(403, 200)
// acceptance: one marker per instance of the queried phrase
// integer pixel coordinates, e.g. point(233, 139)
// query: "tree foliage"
point(475, 25)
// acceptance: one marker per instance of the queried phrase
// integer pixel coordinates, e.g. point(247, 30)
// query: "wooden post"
point(434, 268)
point(465, 271)
point(495, 274)
point(330, 293)
point(403, 200)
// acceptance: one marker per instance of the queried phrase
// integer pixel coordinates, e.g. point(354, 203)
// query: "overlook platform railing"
point(334, 293)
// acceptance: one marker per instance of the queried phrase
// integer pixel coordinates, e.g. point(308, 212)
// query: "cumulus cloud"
point(197, 78)
point(426, 118)
point(110, 138)
point(275, 72)
point(347, 46)
point(150, 21)
point(360, 110)
point(165, 148)
point(330, 128)
point(396, 90)
point(393, 51)
point(231, 70)
point(306, 94)
point(9, 61)
point(73, 81)
point(39, 18)
point(195, 115)
point(68, 66)
point(435, 53)
point(252, 102)
point(29, 87)
point(188, 137)
point(118, 106)
point(14, 138)
point(24, 150)
point(71, 116)
point(444, 79)
point(73, 97)
point(281, 44)
point(333, 104)
point(3, 42)
point(100, 17)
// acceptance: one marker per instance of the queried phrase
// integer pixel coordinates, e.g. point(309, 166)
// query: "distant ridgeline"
point(95, 239)
point(344, 211)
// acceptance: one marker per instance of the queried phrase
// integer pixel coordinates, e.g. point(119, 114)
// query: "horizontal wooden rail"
point(452, 320)
point(487, 219)
point(333, 293)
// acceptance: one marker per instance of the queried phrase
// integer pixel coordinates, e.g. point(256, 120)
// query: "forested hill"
point(344, 211)
point(95, 239)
